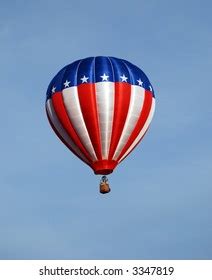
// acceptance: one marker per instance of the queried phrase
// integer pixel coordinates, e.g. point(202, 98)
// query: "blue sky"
point(160, 205)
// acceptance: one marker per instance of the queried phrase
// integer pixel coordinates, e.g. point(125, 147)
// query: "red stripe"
point(121, 106)
point(87, 99)
point(140, 123)
point(64, 142)
point(59, 107)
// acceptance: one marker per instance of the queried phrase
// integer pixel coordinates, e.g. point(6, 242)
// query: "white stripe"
point(105, 107)
point(145, 127)
point(61, 131)
point(135, 107)
point(72, 105)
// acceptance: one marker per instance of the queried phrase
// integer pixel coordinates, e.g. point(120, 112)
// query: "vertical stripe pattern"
point(135, 108)
point(72, 104)
point(105, 107)
point(61, 132)
point(100, 107)
point(142, 132)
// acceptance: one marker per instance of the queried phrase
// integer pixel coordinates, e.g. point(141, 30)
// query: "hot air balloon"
point(100, 108)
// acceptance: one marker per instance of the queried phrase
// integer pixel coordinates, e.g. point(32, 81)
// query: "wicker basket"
point(104, 187)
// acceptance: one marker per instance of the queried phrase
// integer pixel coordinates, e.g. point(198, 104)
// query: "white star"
point(150, 88)
point(53, 89)
point(123, 78)
point(66, 84)
point(84, 79)
point(104, 77)
point(140, 83)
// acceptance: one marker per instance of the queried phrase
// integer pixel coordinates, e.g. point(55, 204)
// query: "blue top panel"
point(98, 69)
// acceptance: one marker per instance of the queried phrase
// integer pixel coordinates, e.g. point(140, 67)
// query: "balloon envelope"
point(100, 107)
